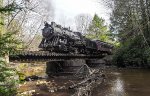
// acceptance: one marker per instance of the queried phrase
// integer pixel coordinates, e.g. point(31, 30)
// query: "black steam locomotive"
point(63, 40)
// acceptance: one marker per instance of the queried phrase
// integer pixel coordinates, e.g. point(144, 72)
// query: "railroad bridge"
point(65, 63)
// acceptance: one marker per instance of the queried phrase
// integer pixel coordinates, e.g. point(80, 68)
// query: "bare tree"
point(82, 22)
point(29, 20)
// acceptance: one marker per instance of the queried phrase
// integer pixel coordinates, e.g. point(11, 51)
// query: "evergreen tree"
point(8, 45)
point(97, 29)
point(1, 17)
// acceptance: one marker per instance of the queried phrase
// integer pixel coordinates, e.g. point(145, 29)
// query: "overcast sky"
point(66, 10)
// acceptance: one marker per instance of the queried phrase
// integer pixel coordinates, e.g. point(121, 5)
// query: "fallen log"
point(91, 79)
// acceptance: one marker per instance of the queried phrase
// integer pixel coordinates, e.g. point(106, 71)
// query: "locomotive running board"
point(44, 56)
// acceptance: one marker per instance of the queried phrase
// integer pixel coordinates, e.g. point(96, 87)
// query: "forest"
point(21, 22)
point(130, 20)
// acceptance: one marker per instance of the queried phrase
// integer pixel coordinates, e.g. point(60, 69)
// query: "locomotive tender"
point(63, 40)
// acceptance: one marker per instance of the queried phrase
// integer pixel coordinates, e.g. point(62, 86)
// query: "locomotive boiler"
point(59, 39)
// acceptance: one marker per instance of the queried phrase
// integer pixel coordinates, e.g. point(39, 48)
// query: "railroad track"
point(44, 56)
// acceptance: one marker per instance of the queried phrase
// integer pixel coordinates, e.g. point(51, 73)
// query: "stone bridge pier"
point(69, 67)
point(64, 67)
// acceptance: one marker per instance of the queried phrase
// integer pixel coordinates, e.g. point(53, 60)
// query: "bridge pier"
point(54, 67)
point(96, 63)
point(64, 67)
point(69, 67)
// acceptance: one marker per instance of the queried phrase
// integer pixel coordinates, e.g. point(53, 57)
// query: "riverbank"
point(69, 85)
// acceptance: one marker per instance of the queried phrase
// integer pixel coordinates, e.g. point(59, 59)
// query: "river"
point(125, 82)
point(119, 82)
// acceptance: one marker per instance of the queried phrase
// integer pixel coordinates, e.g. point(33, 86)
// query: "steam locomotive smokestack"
point(53, 24)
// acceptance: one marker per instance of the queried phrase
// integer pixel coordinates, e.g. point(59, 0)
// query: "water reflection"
point(130, 82)
point(118, 88)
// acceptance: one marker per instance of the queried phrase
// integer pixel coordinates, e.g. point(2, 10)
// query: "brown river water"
point(119, 82)
point(125, 82)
